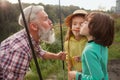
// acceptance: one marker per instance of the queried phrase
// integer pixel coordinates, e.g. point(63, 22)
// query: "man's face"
point(45, 32)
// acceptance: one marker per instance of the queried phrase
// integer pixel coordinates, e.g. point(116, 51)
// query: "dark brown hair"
point(101, 27)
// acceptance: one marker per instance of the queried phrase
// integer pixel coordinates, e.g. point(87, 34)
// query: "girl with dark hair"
point(99, 30)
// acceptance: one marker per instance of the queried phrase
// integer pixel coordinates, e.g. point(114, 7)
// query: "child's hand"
point(71, 75)
point(76, 58)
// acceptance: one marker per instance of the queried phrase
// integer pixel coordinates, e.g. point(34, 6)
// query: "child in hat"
point(74, 42)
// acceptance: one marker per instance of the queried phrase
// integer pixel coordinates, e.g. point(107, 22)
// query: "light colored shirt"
point(73, 48)
point(15, 55)
point(94, 62)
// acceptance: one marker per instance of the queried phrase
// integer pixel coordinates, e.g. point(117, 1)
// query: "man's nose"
point(50, 22)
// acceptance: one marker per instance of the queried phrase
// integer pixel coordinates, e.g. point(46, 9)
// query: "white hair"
point(30, 12)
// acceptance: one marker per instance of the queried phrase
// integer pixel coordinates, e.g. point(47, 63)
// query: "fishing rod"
point(30, 42)
point(61, 35)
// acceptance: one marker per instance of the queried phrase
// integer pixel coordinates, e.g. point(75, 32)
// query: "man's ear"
point(33, 26)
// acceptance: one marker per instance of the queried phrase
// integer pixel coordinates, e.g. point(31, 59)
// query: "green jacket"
point(73, 48)
point(94, 62)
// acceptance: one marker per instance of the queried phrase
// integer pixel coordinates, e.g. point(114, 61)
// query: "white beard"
point(47, 36)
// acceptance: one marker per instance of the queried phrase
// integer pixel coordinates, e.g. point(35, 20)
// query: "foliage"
point(117, 22)
point(114, 50)
point(9, 14)
point(8, 28)
point(9, 25)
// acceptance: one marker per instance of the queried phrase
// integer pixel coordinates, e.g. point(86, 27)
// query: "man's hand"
point(61, 55)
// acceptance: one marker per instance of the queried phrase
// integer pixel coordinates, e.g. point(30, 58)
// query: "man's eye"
point(45, 18)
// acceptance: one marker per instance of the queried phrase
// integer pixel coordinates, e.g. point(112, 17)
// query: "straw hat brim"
point(68, 20)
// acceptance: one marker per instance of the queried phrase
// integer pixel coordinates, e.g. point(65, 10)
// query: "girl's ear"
point(33, 26)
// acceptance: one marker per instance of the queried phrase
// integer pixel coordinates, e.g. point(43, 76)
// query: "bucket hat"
point(76, 12)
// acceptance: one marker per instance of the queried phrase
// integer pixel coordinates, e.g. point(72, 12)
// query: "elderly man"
point(15, 52)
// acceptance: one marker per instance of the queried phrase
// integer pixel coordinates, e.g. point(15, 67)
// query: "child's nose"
point(78, 26)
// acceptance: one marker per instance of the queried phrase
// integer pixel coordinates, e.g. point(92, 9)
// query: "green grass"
point(31, 76)
point(114, 50)
point(117, 37)
point(47, 67)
